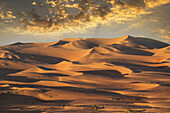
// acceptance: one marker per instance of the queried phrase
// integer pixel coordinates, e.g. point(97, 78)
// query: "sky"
point(52, 20)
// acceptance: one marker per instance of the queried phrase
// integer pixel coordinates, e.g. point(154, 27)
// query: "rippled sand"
point(124, 74)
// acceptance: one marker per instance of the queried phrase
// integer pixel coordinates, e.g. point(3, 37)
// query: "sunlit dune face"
point(74, 15)
point(112, 75)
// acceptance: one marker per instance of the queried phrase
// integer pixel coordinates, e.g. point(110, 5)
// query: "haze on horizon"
point(51, 20)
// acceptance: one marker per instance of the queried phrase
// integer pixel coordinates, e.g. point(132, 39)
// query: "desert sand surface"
point(90, 75)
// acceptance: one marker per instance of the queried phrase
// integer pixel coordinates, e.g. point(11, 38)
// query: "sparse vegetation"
point(93, 112)
point(135, 111)
point(116, 99)
point(95, 107)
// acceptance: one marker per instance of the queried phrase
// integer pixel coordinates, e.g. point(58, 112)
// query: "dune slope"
point(123, 74)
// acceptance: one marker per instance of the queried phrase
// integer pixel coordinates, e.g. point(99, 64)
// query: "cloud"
point(163, 32)
point(6, 16)
point(62, 16)
point(154, 3)
point(166, 37)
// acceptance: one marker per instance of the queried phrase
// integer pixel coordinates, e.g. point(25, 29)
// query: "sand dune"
point(123, 74)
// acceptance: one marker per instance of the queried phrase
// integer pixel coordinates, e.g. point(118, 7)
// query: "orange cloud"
point(166, 36)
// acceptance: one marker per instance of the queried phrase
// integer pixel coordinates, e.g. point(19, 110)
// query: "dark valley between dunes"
point(86, 75)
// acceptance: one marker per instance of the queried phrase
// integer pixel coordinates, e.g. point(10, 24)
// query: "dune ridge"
point(122, 74)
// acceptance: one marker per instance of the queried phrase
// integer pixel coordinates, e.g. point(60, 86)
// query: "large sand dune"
point(124, 74)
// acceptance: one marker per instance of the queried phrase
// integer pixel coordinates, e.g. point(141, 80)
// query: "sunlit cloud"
point(6, 16)
point(164, 33)
point(166, 36)
point(64, 16)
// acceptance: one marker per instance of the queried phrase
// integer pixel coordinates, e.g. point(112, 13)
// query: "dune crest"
point(122, 74)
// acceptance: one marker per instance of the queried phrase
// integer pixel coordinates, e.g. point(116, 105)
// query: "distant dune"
point(89, 75)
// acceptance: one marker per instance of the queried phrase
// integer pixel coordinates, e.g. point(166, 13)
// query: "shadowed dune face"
point(60, 43)
point(124, 74)
point(131, 50)
point(149, 43)
point(104, 73)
